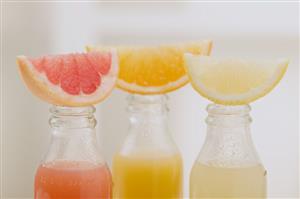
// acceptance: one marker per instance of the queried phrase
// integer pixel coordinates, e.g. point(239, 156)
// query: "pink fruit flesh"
point(101, 63)
point(70, 81)
point(75, 73)
point(52, 68)
point(89, 77)
point(38, 63)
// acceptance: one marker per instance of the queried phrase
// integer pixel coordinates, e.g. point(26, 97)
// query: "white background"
point(251, 30)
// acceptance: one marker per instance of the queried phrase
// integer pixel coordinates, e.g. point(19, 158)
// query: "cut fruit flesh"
point(233, 81)
point(157, 69)
point(70, 79)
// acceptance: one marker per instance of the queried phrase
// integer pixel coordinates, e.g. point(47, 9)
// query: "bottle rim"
point(218, 109)
point(72, 111)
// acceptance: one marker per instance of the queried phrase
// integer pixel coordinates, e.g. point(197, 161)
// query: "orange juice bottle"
point(73, 167)
point(148, 165)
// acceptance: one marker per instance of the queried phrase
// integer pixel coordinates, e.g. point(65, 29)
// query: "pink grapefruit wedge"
point(78, 79)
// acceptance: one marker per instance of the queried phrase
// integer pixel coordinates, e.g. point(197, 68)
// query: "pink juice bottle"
point(73, 167)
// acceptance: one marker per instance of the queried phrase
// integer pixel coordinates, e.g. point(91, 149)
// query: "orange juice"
point(147, 176)
point(72, 179)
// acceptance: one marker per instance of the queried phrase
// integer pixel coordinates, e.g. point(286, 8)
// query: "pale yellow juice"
point(147, 176)
point(222, 182)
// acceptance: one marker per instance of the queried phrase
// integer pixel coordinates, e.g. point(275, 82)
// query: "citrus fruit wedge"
point(154, 69)
point(78, 79)
point(233, 81)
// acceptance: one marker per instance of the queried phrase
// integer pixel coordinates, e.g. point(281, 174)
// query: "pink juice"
point(72, 180)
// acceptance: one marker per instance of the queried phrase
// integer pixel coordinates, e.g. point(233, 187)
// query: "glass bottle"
point(73, 167)
point(148, 165)
point(228, 165)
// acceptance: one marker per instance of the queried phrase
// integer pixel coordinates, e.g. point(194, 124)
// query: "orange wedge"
point(154, 69)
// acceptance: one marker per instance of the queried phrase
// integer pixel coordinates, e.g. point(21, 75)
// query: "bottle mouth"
point(217, 109)
point(72, 111)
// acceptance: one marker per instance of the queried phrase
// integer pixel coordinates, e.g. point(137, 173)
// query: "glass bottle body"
point(73, 167)
point(228, 165)
point(148, 165)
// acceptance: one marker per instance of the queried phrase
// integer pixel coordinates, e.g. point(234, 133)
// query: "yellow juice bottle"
point(148, 176)
point(148, 165)
point(228, 165)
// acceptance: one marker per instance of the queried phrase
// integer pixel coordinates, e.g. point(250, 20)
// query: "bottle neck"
point(147, 110)
point(148, 129)
point(228, 140)
point(73, 134)
point(70, 118)
point(228, 119)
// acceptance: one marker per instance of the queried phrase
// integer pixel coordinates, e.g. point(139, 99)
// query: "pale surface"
point(262, 30)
